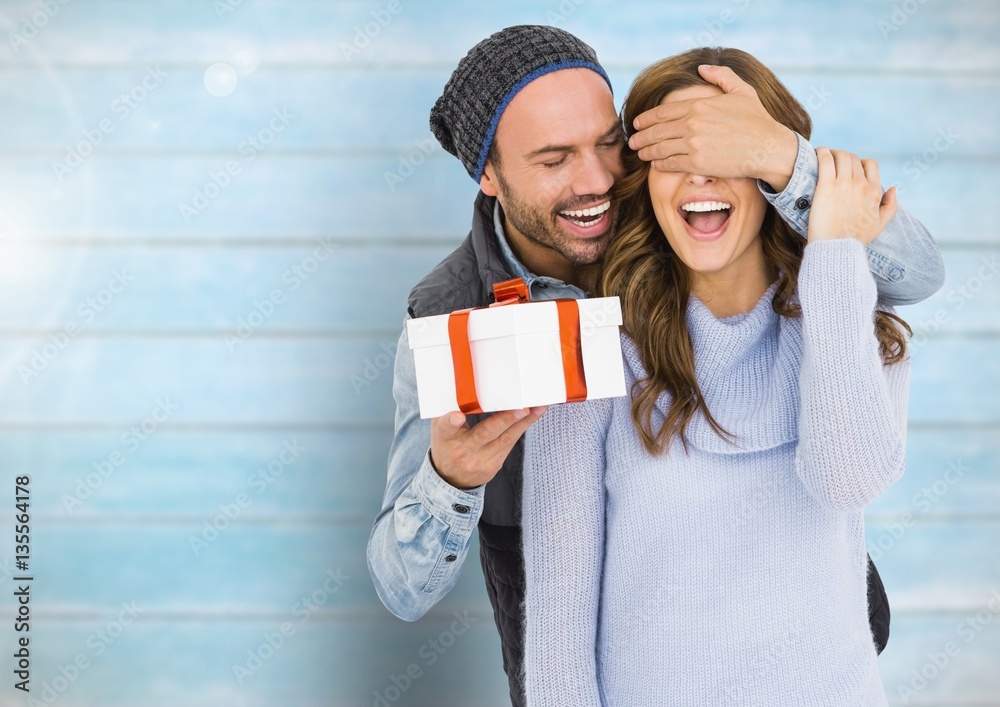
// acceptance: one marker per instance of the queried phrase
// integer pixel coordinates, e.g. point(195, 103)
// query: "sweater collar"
point(724, 346)
point(748, 375)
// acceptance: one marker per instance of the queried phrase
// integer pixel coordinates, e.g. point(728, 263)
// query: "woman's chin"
point(706, 268)
point(707, 258)
point(704, 260)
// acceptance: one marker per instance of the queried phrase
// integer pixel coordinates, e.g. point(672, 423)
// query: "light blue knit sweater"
point(735, 574)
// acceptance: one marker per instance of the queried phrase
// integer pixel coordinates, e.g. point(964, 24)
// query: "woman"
point(701, 542)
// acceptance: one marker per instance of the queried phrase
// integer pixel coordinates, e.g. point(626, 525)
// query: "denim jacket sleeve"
point(904, 258)
point(421, 536)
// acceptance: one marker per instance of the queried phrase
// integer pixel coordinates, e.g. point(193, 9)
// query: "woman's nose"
point(700, 180)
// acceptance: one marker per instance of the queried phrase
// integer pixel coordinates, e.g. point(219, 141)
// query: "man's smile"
point(589, 222)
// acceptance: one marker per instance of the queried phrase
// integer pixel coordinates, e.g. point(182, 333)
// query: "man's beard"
point(542, 227)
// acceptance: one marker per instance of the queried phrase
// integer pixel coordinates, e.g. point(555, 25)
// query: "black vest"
point(465, 278)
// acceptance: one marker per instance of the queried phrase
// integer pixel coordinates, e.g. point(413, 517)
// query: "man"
point(530, 114)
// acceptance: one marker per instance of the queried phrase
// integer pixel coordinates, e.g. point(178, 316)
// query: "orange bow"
point(516, 292)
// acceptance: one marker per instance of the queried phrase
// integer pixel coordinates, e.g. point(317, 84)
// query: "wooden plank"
point(387, 110)
point(358, 198)
point(949, 473)
point(957, 34)
point(288, 381)
point(322, 287)
point(340, 474)
point(307, 381)
point(225, 563)
point(931, 565)
point(342, 663)
point(301, 476)
point(940, 390)
point(301, 197)
point(968, 301)
point(241, 569)
point(967, 676)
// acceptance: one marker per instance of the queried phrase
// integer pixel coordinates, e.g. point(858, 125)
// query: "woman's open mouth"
point(589, 222)
point(706, 220)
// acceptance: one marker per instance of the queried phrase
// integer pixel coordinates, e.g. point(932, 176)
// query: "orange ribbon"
point(516, 292)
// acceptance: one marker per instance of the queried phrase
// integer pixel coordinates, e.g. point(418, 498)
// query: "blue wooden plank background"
point(211, 212)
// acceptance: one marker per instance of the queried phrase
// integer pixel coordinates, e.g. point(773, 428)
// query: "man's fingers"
point(663, 149)
point(506, 440)
point(725, 78)
point(660, 114)
point(674, 163)
point(494, 425)
point(449, 426)
point(655, 134)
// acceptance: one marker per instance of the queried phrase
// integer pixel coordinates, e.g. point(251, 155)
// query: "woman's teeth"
point(586, 217)
point(706, 206)
point(706, 216)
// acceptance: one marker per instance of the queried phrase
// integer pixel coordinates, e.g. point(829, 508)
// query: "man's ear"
point(488, 182)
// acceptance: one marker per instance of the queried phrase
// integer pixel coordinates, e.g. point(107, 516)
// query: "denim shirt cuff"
point(795, 200)
point(459, 509)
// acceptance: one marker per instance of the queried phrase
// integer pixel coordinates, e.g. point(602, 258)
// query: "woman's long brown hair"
point(654, 284)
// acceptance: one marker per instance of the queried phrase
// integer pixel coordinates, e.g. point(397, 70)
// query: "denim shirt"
point(422, 534)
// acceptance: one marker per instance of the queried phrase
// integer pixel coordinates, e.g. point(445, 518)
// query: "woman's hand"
point(849, 201)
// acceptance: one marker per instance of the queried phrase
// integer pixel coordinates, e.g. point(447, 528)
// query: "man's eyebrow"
point(614, 130)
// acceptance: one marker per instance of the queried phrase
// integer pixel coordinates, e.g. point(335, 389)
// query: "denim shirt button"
point(459, 508)
point(451, 558)
point(802, 203)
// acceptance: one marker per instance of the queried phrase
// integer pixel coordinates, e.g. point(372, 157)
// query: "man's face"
point(559, 145)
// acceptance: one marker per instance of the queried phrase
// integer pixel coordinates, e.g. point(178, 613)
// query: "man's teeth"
point(584, 213)
point(706, 206)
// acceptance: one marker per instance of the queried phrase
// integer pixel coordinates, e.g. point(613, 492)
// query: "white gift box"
point(517, 355)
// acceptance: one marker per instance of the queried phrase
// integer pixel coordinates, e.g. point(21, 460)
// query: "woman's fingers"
point(827, 168)
point(888, 208)
point(848, 202)
point(870, 167)
point(857, 169)
point(842, 161)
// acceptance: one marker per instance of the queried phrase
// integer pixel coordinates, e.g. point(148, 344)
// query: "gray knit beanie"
point(464, 119)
